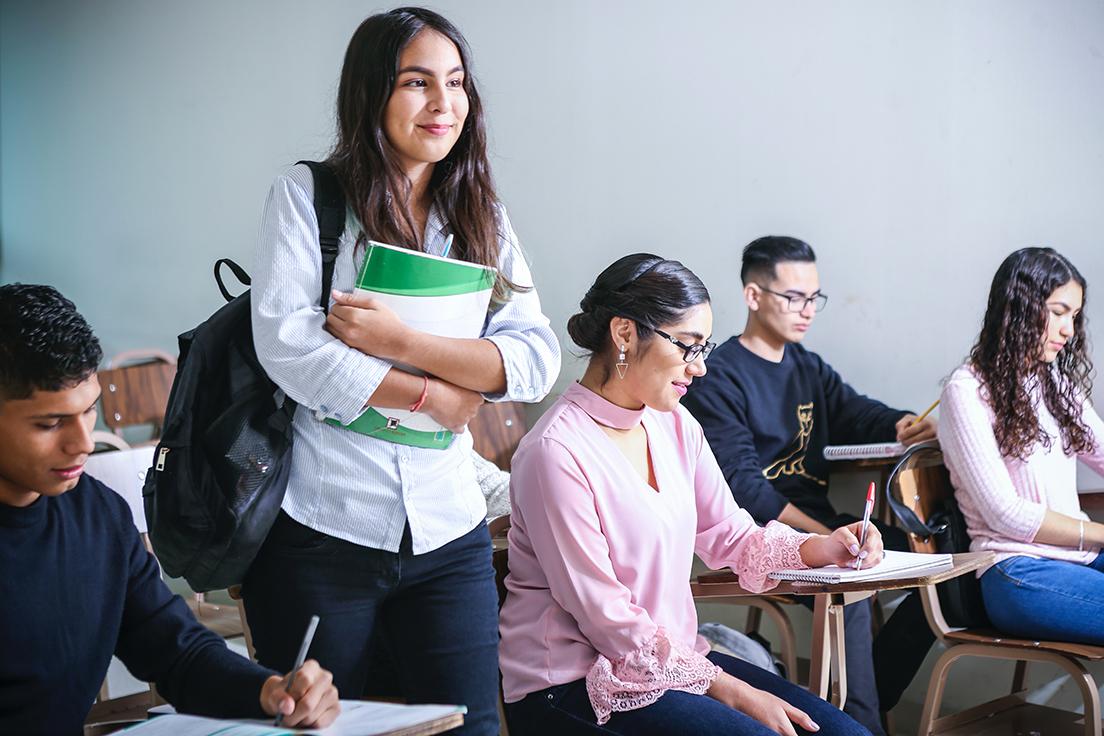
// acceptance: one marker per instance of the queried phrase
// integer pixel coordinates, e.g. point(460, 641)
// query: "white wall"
point(914, 144)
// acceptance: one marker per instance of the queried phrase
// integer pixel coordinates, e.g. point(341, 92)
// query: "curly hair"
point(45, 344)
point(1006, 355)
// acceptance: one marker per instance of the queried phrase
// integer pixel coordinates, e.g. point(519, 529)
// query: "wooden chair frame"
point(921, 482)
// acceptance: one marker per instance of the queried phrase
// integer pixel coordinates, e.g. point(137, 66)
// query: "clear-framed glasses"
point(690, 352)
point(799, 302)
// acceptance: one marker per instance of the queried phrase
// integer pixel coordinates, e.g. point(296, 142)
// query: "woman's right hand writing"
point(450, 405)
point(770, 710)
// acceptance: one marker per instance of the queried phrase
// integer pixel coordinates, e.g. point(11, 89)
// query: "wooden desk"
point(828, 645)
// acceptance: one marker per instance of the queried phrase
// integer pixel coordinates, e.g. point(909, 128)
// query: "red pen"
point(866, 521)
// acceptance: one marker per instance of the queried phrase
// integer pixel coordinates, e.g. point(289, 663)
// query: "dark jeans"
point(885, 669)
point(564, 710)
point(1046, 599)
point(435, 614)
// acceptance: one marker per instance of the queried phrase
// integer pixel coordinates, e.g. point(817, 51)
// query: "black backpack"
point(221, 467)
point(959, 598)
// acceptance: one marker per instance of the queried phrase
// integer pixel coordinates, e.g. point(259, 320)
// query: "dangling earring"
point(622, 366)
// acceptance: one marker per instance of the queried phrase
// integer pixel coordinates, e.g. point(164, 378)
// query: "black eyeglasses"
point(798, 303)
point(690, 352)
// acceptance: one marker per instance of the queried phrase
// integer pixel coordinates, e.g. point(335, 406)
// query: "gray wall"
point(914, 144)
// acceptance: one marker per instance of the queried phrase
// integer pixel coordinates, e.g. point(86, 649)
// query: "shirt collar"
point(602, 410)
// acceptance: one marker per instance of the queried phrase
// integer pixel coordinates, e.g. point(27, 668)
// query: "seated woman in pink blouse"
point(613, 491)
point(1015, 419)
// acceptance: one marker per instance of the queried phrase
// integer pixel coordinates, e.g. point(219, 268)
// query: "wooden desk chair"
point(922, 484)
point(135, 389)
point(774, 606)
point(496, 431)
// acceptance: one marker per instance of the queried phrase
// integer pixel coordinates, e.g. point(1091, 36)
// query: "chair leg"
point(836, 637)
point(1019, 677)
point(246, 633)
point(754, 619)
point(820, 656)
point(936, 685)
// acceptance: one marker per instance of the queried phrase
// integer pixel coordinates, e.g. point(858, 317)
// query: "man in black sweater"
point(768, 407)
point(77, 585)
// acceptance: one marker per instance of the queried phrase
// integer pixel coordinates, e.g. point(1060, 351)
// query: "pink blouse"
point(600, 561)
point(1004, 499)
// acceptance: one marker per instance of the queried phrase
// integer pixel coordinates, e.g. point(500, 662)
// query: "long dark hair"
point(1006, 355)
point(367, 165)
point(649, 290)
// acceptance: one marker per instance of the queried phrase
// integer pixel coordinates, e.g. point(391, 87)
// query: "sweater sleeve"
point(160, 641)
point(852, 417)
point(721, 407)
point(637, 661)
point(971, 453)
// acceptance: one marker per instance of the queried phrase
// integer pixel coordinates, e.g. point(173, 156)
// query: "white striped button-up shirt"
point(349, 485)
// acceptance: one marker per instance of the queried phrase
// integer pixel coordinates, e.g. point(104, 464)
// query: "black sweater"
point(76, 586)
point(768, 423)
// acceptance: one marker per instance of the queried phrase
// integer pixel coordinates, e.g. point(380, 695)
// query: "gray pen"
point(307, 637)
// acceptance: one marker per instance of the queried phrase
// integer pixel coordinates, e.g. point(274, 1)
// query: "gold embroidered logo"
point(792, 462)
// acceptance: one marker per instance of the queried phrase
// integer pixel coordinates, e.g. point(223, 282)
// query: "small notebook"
point(863, 452)
point(894, 566)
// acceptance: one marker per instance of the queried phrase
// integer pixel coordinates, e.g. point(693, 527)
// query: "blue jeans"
point(1046, 599)
point(564, 710)
point(435, 616)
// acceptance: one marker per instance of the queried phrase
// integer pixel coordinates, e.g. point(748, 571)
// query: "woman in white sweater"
point(1015, 420)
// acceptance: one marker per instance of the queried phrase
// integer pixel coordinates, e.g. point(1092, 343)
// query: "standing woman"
point(1015, 420)
point(386, 542)
point(613, 491)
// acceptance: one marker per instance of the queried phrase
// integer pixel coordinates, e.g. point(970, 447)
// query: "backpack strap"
point(329, 207)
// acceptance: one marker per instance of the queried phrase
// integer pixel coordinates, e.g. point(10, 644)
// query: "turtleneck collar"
point(602, 410)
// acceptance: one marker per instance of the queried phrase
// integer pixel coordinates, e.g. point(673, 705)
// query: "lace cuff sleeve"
point(641, 677)
point(775, 547)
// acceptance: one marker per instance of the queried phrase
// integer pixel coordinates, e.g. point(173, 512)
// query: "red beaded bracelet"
point(417, 405)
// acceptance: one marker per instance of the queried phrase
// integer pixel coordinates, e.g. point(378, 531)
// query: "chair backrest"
point(136, 394)
point(496, 431)
point(922, 485)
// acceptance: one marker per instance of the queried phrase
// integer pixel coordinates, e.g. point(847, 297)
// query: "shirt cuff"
point(775, 547)
point(345, 392)
point(639, 678)
point(519, 384)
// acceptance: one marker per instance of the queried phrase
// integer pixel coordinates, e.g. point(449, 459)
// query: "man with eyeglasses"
point(768, 407)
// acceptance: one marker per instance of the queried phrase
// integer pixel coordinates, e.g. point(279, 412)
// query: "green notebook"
point(440, 296)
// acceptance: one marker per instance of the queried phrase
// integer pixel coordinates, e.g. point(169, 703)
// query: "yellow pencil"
point(924, 416)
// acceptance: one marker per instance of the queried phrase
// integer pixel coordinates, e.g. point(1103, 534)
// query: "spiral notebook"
point(863, 452)
point(894, 566)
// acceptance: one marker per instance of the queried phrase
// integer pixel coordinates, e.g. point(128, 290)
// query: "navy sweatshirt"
point(76, 586)
point(768, 423)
